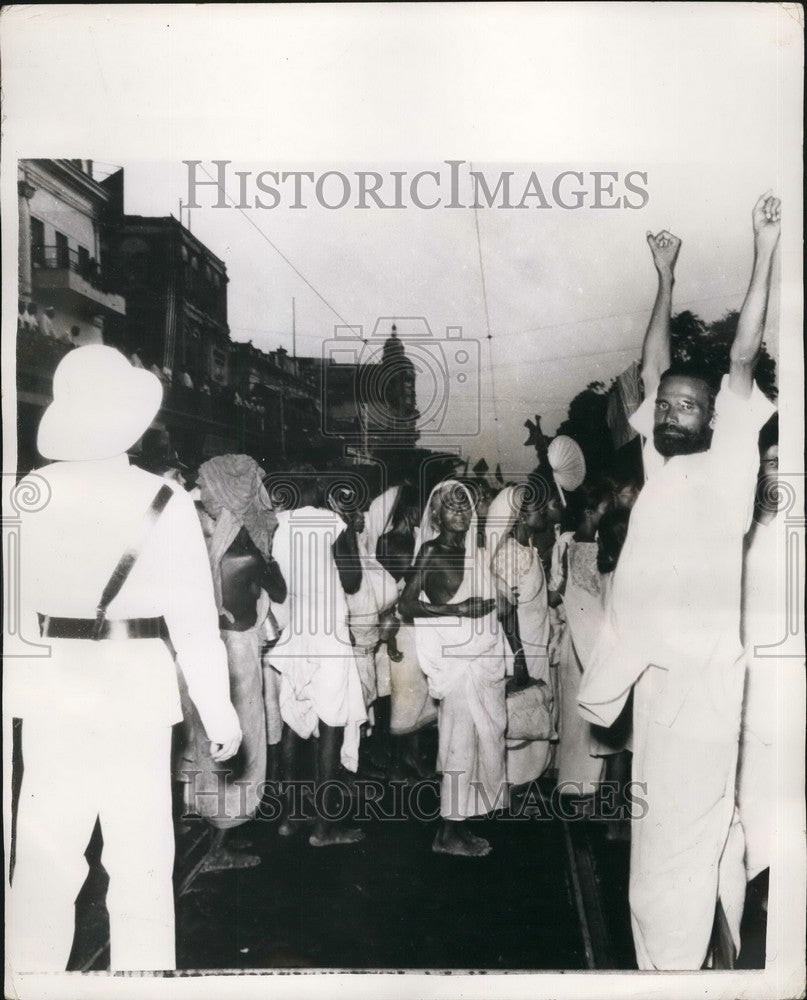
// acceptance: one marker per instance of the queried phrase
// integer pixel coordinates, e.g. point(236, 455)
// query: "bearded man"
point(672, 629)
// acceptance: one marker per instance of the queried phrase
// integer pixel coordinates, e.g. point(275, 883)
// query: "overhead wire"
point(277, 249)
point(487, 325)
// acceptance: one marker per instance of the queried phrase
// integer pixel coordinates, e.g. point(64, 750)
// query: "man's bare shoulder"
point(428, 550)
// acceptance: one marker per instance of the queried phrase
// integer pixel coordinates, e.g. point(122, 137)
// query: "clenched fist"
point(664, 247)
point(766, 221)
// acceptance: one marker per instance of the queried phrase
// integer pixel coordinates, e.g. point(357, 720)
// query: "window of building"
point(37, 243)
point(84, 261)
point(62, 251)
point(135, 254)
point(219, 363)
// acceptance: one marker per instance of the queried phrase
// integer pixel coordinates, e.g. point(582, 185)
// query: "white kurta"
point(673, 629)
point(94, 712)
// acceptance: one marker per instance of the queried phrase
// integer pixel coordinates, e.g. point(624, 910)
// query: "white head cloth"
point(477, 581)
point(501, 519)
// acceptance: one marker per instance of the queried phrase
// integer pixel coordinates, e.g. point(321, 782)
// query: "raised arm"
point(750, 327)
point(656, 348)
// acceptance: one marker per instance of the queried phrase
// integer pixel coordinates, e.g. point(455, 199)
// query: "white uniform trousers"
point(71, 776)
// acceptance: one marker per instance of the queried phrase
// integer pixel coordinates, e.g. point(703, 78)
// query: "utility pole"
point(293, 328)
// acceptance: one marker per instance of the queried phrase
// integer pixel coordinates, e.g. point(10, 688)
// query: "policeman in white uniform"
point(97, 712)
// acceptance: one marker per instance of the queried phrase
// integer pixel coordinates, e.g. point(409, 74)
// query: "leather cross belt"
point(89, 628)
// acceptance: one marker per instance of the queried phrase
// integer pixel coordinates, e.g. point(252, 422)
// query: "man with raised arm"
point(672, 629)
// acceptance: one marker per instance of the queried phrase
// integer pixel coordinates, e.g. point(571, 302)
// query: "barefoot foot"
point(288, 827)
point(454, 838)
point(225, 860)
point(336, 835)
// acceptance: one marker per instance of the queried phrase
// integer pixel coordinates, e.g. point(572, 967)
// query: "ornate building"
point(368, 404)
point(387, 398)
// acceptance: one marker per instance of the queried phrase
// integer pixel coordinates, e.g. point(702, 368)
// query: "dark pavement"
point(389, 903)
point(551, 896)
point(386, 903)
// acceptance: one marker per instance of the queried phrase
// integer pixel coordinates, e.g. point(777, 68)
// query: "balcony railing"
point(59, 258)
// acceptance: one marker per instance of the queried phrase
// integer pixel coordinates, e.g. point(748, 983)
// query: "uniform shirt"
point(675, 599)
point(68, 551)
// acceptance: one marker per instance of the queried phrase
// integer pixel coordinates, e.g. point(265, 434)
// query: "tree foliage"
point(586, 423)
point(708, 345)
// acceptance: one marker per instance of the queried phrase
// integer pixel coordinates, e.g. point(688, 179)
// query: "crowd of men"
point(604, 632)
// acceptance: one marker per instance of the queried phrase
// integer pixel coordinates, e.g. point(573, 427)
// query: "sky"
point(698, 97)
point(569, 291)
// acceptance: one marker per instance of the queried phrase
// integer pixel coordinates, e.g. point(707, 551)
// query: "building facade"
point(176, 290)
point(66, 295)
point(90, 273)
point(288, 400)
point(62, 271)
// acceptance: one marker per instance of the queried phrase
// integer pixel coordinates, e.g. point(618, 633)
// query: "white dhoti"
point(518, 570)
point(687, 842)
point(363, 616)
point(579, 770)
point(314, 655)
point(464, 661)
point(756, 795)
point(686, 839)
